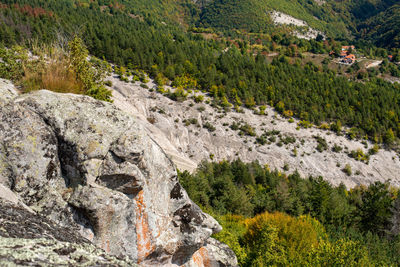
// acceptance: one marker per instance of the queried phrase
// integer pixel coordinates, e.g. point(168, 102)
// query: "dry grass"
point(50, 70)
point(54, 77)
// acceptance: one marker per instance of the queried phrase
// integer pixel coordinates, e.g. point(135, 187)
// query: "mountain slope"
point(365, 9)
point(249, 15)
point(254, 15)
point(183, 130)
point(384, 28)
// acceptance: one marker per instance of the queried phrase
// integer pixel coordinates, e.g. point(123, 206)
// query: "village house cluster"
point(346, 55)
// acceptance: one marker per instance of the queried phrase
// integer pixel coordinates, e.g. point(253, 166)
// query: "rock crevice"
point(88, 166)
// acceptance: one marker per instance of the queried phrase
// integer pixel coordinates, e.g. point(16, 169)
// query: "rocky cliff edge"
point(91, 168)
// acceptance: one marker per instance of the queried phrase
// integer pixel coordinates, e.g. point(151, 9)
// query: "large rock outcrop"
point(91, 167)
point(28, 239)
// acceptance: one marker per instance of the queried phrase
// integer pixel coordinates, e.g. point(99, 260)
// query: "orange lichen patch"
point(143, 234)
point(197, 259)
point(200, 258)
point(105, 245)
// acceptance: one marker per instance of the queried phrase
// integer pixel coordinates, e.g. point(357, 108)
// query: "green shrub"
point(124, 79)
point(209, 126)
point(336, 148)
point(198, 98)
point(304, 124)
point(247, 130)
point(234, 126)
point(359, 155)
point(12, 63)
point(261, 140)
point(347, 169)
point(178, 95)
point(374, 150)
point(90, 77)
point(322, 145)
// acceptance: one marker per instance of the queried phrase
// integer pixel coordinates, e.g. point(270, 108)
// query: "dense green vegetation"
point(384, 28)
point(324, 225)
point(375, 20)
point(252, 15)
point(269, 217)
point(364, 9)
point(310, 93)
point(227, 15)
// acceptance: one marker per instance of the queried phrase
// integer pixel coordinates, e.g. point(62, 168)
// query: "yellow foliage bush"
point(185, 81)
point(288, 113)
point(277, 239)
point(343, 252)
point(296, 235)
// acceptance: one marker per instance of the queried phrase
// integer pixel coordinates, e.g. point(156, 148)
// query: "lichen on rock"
point(27, 238)
point(90, 167)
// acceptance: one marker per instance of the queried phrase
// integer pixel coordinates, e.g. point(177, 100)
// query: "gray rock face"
point(29, 239)
point(7, 92)
point(213, 254)
point(90, 167)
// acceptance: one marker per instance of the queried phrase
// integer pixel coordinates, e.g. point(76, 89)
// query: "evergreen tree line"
point(310, 93)
point(253, 203)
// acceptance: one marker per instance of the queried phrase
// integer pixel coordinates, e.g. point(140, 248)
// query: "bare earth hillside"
point(182, 129)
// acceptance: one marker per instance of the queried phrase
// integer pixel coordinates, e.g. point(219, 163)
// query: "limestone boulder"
point(89, 166)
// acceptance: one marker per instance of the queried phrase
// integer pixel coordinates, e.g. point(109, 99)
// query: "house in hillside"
point(347, 47)
point(349, 59)
point(346, 50)
point(343, 54)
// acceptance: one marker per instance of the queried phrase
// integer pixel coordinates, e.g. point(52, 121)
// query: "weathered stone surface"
point(213, 254)
point(18, 222)
point(8, 91)
point(29, 239)
point(47, 252)
point(89, 166)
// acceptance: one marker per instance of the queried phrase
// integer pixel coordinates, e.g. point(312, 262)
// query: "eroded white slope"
point(188, 145)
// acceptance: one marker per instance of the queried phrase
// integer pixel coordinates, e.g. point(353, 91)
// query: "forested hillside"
point(253, 15)
point(227, 15)
point(274, 219)
point(375, 20)
point(310, 93)
point(233, 53)
point(384, 28)
point(364, 9)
